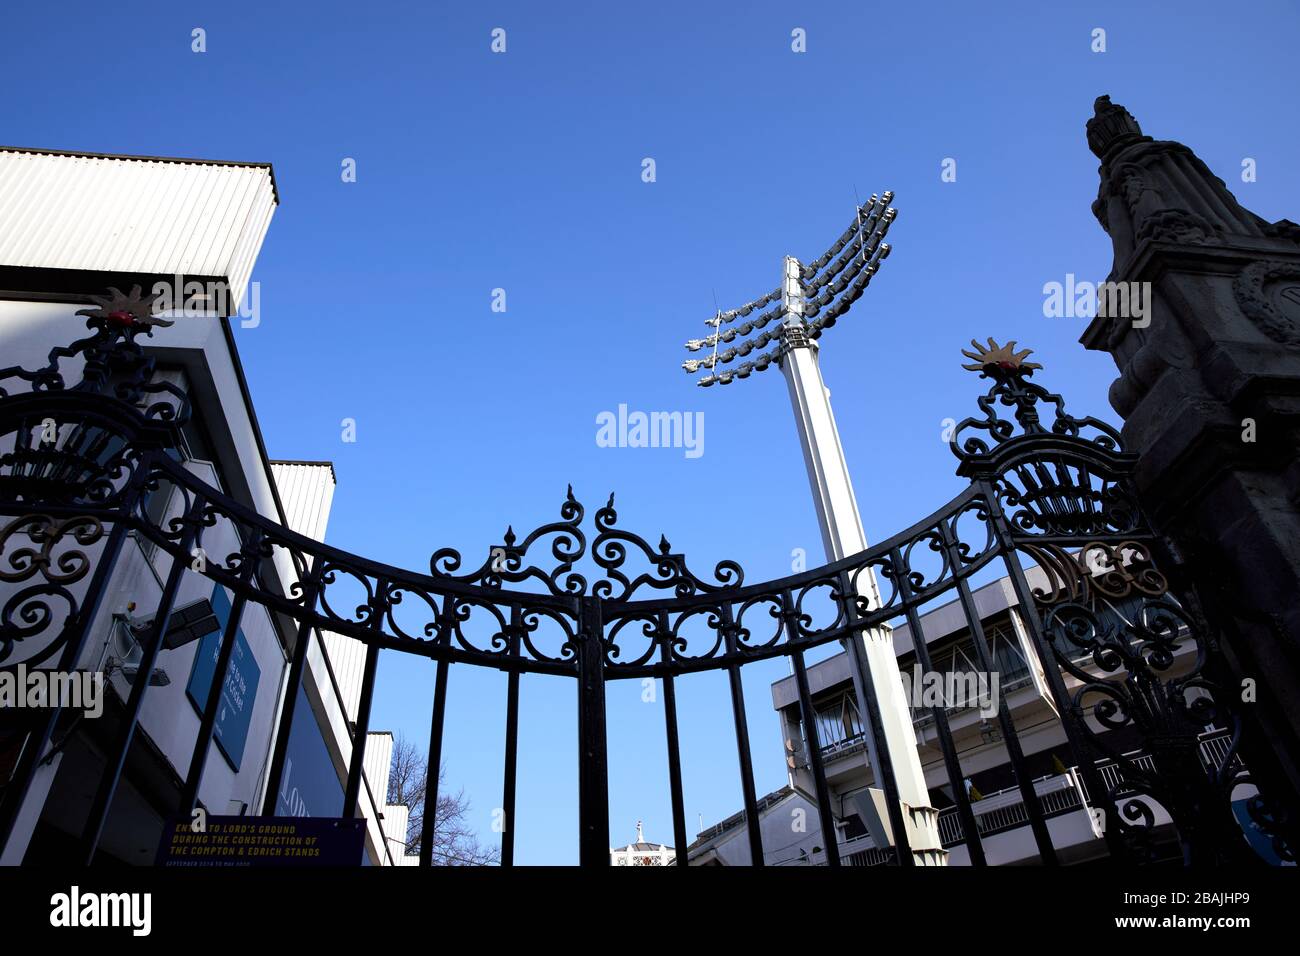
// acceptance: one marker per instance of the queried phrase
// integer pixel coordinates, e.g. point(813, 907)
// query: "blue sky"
point(522, 171)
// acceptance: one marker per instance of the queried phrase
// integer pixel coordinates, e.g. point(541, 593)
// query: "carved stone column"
point(1209, 389)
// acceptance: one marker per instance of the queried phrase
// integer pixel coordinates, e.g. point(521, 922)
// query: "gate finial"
point(1010, 372)
point(1000, 357)
point(126, 310)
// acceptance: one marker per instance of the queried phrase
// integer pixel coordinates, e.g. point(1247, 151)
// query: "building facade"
point(641, 853)
point(789, 823)
point(971, 700)
point(189, 231)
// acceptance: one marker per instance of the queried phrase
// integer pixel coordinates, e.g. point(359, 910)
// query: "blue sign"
point(310, 785)
point(240, 691)
point(263, 841)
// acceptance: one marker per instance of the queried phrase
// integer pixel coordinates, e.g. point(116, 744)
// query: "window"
point(838, 721)
point(1008, 657)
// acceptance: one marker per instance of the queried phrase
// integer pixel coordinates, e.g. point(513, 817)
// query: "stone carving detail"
point(1161, 190)
point(1282, 229)
point(1188, 388)
point(1151, 213)
point(1112, 127)
point(1269, 295)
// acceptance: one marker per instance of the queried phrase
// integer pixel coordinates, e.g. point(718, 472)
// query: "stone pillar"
point(1209, 389)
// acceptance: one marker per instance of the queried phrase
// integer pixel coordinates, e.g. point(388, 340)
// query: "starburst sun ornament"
point(133, 311)
point(1001, 357)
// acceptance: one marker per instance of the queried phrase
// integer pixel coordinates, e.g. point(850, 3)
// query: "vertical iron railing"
point(984, 658)
point(883, 768)
point(939, 714)
point(1055, 681)
point(512, 745)
point(360, 731)
point(19, 783)
point(116, 758)
point(753, 828)
point(663, 637)
point(593, 770)
point(211, 707)
point(809, 717)
point(433, 764)
point(297, 668)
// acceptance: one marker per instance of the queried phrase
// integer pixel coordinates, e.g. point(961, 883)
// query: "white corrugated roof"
point(306, 491)
point(148, 215)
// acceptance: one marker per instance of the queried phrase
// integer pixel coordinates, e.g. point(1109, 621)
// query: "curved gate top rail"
point(116, 455)
point(77, 460)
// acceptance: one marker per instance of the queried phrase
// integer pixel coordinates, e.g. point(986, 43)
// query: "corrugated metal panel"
point(348, 658)
point(306, 491)
point(396, 818)
point(377, 763)
point(116, 214)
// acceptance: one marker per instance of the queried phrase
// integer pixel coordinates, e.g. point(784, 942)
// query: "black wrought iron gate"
point(84, 464)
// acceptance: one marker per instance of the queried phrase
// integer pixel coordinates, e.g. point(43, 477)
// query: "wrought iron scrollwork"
point(1060, 492)
point(1067, 480)
point(505, 562)
point(1095, 569)
point(1065, 494)
point(52, 553)
point(114, 363)
point(1131, 675)
point(1011, 388)
point(668, 570)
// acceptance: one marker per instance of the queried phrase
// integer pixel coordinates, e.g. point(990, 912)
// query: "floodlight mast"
point(836, 504)
point(843, 535)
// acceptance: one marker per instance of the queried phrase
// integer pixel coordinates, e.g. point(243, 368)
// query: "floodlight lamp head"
point(812, 297)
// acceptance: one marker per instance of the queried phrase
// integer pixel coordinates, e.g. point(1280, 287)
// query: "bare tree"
point(454, 841)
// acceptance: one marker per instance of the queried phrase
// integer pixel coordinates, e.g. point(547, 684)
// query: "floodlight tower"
point(812, 298)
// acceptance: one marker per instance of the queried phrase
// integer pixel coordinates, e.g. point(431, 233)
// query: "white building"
point(75, 224)
point(641, 853)
point(790, 827)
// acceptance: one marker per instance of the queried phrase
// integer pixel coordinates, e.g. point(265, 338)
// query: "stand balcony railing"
point(1062, 793)
point(1058, 794)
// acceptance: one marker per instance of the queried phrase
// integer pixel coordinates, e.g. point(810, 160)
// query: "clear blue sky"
point(522, 171)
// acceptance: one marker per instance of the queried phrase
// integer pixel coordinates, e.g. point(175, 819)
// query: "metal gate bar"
point(512, 755)
point(297, 666)
point(208, 723)
point(433, 765)
point(663, 638)
point(116, 759)
point(813, 742)
point(1011, 738)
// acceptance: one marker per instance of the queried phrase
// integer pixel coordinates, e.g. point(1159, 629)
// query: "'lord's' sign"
point(263, 841)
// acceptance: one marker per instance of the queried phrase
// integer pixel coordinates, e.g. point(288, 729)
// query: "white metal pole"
point(842, 535)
